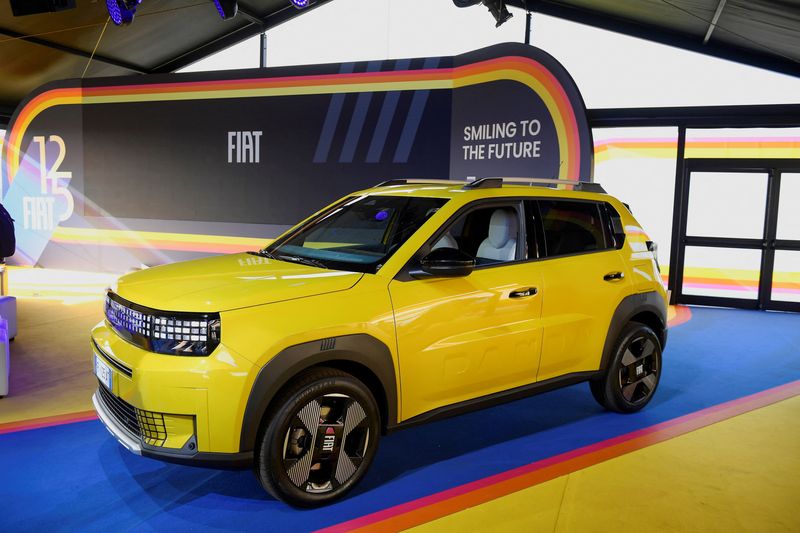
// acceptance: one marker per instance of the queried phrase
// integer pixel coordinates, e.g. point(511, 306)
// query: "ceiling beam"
point(746, 56)
point(72, 51)
point(254, 26)
point(255, 19)
point(713, 24)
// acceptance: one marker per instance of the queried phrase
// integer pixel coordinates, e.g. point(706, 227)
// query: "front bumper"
point(132, 442)
point(174, 408)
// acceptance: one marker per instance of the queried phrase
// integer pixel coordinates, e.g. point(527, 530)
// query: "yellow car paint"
point(450, 340)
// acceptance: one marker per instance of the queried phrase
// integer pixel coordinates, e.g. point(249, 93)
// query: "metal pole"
point(263, 54)
point(678, 212)
point(528, 27)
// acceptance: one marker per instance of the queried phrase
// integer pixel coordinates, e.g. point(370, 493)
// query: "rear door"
point(584, 279)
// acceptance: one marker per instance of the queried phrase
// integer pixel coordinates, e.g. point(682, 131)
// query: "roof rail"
point(408, 181)
point(487, 183)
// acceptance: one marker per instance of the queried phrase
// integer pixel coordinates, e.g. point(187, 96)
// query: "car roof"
point(456, 190)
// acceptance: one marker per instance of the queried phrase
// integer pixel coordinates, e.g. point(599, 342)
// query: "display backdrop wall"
point(112, 173)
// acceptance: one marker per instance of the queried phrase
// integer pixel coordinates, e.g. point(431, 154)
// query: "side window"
point(489, 234)
point(572, 227)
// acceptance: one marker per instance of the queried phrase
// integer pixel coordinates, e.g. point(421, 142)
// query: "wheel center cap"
point(639, 370)
point(329, 438)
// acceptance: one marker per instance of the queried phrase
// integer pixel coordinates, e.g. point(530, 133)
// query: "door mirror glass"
point(445, 263)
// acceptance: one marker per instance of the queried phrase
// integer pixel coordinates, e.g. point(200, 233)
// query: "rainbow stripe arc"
point(514, 68)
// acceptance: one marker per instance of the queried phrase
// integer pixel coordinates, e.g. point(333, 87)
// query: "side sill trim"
point(221, 461)
point(496, 399)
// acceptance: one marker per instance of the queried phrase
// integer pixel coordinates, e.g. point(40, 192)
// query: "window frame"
point(513, 202)
point(520, 204)
point(609, 213)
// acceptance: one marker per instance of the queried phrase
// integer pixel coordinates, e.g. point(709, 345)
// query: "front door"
point(466, 337)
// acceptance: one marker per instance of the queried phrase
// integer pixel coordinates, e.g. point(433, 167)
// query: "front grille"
point(154, 432)
point(165, 332)
point(125, 317)
point(123, 412)
point(147, 425)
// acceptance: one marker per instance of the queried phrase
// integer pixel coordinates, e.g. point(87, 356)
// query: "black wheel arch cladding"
point(359, 352)
point(646, 304)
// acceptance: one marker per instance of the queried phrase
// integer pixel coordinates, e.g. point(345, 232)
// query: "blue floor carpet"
point(76, 476)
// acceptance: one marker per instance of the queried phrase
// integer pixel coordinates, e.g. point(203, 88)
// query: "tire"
point(634, 372)
point(319, 439)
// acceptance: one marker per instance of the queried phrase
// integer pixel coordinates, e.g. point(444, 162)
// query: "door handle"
point(524, 293)
point(614, 276)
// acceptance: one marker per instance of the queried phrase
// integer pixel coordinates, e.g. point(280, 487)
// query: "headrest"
point(502, 227)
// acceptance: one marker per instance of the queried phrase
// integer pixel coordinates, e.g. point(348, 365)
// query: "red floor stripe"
point(682, 315)
point(47, 421)
point(450, 501)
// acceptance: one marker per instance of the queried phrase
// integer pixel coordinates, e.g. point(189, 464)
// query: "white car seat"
point(501, 243)
point(446, 241)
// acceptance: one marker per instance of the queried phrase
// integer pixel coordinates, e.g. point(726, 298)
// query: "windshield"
point(358, 234)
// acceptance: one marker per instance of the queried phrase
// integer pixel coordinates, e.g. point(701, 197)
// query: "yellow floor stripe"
point(736, 475)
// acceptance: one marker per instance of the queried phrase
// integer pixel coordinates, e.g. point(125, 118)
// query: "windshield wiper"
point(302, 260)
point(262, 253)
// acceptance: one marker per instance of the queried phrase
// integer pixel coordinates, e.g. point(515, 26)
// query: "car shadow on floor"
point(401, 452)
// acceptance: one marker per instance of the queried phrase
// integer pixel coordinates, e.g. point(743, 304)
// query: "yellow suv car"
point(400, 304)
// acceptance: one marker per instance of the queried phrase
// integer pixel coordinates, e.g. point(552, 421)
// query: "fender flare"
point(629, 307)
point(361, 349)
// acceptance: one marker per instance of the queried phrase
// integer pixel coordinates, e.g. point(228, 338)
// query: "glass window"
point(736, 143)
point(788, 212)
point(571, 227)
point(637, 165)
point(727, 204)
point(786, 276)
point(721, 272)
point(358, 234)
point(489, 234)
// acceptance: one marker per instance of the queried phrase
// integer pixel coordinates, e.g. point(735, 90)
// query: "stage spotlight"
point(122, 11)
point(302, 4)
point(226, 8)
point(497, 8)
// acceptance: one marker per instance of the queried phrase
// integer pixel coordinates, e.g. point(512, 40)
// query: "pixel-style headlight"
point(190, 336)
point(161, 331)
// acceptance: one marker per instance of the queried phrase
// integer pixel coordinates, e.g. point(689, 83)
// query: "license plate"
point(103, 373)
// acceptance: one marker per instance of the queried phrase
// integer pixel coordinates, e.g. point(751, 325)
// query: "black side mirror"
point(445, 263)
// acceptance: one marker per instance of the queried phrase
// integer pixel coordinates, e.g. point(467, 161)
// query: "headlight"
point(189, 336)
point(163, 331)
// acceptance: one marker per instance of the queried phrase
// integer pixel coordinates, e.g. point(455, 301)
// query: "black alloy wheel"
point(319, 440)
point(634, 373)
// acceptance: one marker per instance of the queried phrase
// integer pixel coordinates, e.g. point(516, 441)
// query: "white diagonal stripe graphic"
point(344, 466)
point(309, 415)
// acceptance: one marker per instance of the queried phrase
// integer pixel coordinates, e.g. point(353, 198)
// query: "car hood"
point(227, 282)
